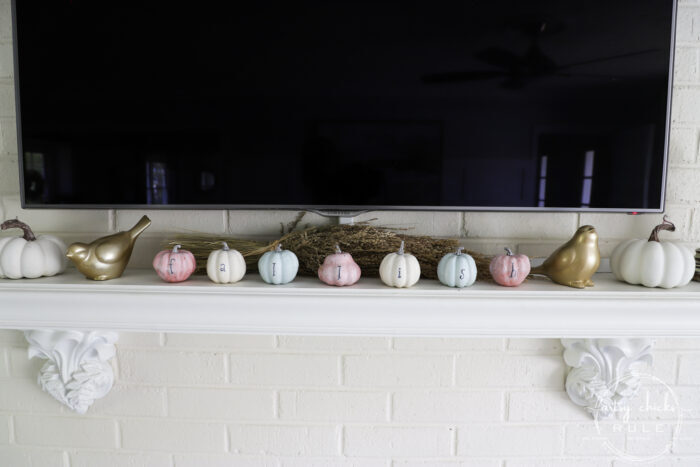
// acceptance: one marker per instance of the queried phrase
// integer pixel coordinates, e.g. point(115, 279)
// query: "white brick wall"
point(279, 401)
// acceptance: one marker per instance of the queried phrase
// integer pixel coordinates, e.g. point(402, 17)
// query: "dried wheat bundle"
point(367, 244)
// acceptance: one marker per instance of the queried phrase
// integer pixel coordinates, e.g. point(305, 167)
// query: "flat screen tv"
point(349, 105)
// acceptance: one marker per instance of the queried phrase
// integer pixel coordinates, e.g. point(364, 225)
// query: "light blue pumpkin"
point(457, 269)
point(279, 266)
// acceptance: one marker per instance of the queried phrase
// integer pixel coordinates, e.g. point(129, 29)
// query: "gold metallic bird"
point(107, 257)
point(575, 262)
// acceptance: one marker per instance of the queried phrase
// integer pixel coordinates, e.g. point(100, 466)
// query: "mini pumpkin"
point(174, 265)
point(30, 256)
point(339, 269)
point(399, 269)
point(278, 266)
point(225, 266)
point(510, 270)
point(653, 263)
point(457, 269)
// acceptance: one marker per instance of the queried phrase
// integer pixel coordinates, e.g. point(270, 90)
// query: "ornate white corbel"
point(605, 372)
point(77, 369)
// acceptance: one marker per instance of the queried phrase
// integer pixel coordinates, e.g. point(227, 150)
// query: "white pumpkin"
point(653, 263)
point(399, 269)
point(457, 269)
point(279, 266)
point(30, 256)
point(225, 266)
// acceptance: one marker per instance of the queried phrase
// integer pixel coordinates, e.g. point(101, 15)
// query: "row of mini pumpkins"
point(400, 269)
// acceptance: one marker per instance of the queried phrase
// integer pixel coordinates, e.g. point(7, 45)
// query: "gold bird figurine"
point(107, 257)
point(575, 262)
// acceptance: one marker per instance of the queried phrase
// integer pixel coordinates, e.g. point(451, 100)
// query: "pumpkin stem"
point(18, 224)
point(401, 247)
point(225, 246)
point(176, 247)
point(459, 250)
point(665, 225)
point(337, 249)
point(509, 252)
point(278, 248)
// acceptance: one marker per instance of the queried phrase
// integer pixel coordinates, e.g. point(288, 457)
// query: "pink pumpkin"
point(339, 269)
point(510, 270)
point(174, 266)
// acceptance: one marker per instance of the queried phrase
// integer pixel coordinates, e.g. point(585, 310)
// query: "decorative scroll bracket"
point(77, 369)
point(605, 373)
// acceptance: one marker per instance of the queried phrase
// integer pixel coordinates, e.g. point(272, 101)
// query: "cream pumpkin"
point(225, 266)
point(30, 256)
point(174, 266)
point(653, 263)
point(399, 269)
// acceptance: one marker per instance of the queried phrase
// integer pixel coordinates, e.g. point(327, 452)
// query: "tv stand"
point(344, 217)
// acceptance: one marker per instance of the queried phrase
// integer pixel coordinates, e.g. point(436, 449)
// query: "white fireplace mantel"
point(606, 330)
point(140, 301)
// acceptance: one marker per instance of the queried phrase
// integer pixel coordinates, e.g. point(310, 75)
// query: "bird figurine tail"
point(140, 226)
point(538, 270)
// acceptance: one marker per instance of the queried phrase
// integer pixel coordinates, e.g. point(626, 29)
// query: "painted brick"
point(623, 226)
point(9, 177)
point(6, 64)
point(504, 440)
point(688, 439)
point(689, 369)
point(546, 406)
point(65, 432)
point(15, 456)
point(7, 91)
point(548, 346)
point(218, 341)
point(334, 343)
point(5, 21)
point(167, 221)
point(676, 343)
point(141, 401)
point(113, 459)
point(447, 406)
point(170, 367)
point(586, 440)
point(695, 227)
point(24, 395)
point(223, 460)
point(570, 462)
point(683, 146)
point(270, 223)
point(444, 224)
point(325, 406)
point(397, 441)
point(450, 344)
point(57, 220)
point(173, 436)
point(330, 462)
point(446, 463)
point(688, 25)
point(12, 337)
point(230, 404)
point(653, 443)
point(664, 366)
point(4, 429)
point(139, 340)
point(4, 363)
point(663, 462)
point(519, 225)
point(510, 370)
point(398, 370)
point(281, 440)
point(284, 370)
point(21, 366)
point(688, 401)
point(8, 141)
point(685, 65)
point(686, 103)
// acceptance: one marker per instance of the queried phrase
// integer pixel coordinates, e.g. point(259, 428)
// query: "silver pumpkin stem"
point(509, 252)
point(401, 247)
point(459, 250)
point(225, 246)
point(176, 247)
point(337, 249)
point(278, 248)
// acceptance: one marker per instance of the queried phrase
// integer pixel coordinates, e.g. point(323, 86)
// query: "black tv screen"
point(427, 104)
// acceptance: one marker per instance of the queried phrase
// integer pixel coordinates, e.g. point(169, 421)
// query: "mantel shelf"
point(139, 301)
